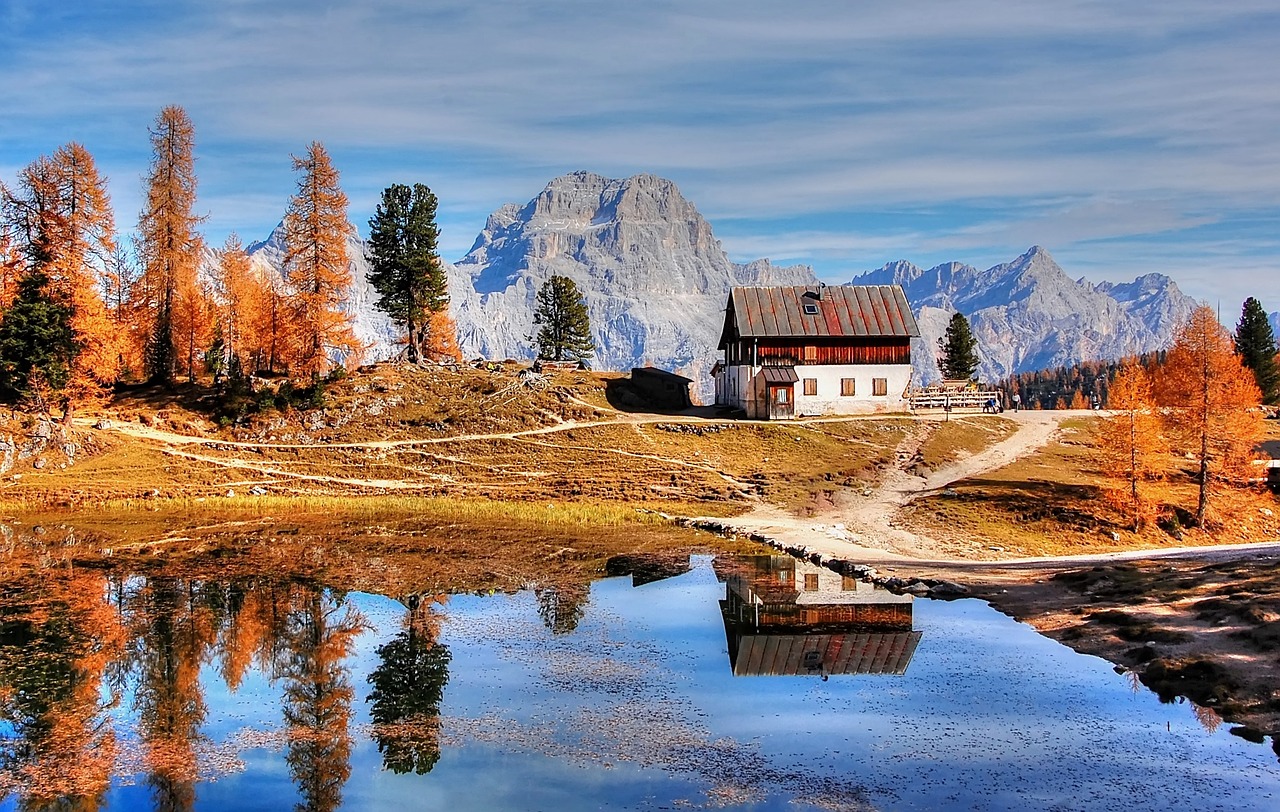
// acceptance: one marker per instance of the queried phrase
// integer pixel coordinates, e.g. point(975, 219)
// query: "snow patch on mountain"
point(1028, 314)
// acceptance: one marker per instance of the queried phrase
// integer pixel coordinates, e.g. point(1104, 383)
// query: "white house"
point(815, 350)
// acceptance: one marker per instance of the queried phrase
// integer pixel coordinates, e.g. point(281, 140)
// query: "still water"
point(757, 683)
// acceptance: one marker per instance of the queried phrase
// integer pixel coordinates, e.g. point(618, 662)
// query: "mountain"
point(654, 277)
point(1275, 323)
point(655, 280)
point(1028, 314)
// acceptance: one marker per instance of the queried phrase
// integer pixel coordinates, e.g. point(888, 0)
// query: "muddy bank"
point(1188, 630)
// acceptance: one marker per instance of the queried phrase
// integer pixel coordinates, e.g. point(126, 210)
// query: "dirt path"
point(178, 445)
point(863, 527)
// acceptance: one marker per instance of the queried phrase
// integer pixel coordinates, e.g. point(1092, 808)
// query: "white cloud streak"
point(1078, 125)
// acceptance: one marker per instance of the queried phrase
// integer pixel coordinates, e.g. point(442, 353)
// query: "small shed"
point(662, 389)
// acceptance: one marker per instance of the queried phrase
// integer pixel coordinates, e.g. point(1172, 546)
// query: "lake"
point(741, 683)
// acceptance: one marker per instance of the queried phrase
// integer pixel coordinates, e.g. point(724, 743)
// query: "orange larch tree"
point(1211, 404)
point(1130, 441)
point(242, 296)
point(440, 342)
point(60, 215)
point(194, 312)
point(317, 266)
point(170, 248)
point(10, 267)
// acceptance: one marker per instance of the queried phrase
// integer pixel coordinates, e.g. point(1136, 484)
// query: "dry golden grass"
point(469, 434)
point(956, 439)
point(1052, 503)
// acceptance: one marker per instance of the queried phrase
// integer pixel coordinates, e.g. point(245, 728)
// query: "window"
point(781, 394)
point(810, 354)
point(811, 310)
point(811, 386)
point(880, 386)
point(811, 582)
point(848, 583)
point(847, 388)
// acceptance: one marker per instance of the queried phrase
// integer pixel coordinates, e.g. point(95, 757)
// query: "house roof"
point(850, 311)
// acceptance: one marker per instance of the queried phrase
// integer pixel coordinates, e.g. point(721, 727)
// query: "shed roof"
point(660, 374)
point(780, 375)
point(857, 311)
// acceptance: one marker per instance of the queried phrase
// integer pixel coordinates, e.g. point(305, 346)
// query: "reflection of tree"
point(561, 607)
point(245, 630)
point(58, 636)
point(408, 685)
point(320, 630)
point(174, 627)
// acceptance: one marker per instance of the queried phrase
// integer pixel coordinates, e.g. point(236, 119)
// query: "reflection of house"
point(788, 617)
point(838, 349)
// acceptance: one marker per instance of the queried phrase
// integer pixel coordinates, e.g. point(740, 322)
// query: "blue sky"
point(1124, 137)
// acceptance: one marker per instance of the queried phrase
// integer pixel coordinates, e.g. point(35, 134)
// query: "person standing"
point(1017, 402)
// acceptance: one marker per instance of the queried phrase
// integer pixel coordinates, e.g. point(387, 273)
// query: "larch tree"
point(10, 267)
point(405, 267)
point(173, 315)
point(60, 215)
point(1211, 404)
point(242, 296)
point(566, 326)
point(1256, 344)
point(316, 265)
point(440, 342)
point(957, 350)
point(1130, 441)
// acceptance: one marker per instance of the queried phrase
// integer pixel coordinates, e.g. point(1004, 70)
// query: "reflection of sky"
point(989, 715)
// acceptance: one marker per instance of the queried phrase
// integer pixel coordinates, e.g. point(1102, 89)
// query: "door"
point(781, 402)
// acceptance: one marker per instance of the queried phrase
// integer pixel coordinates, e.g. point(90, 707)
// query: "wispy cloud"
point(1084, 126)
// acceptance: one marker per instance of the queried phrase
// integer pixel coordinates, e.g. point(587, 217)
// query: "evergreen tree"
point(1256, 346)
point(405, 267)
point(957, 350)
point(566, 327)
point(37, 345)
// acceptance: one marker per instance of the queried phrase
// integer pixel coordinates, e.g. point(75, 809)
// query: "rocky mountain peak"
point(654, 277)
point(1029, 314)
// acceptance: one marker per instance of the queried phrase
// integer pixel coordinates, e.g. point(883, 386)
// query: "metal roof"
point(780, 375)
point(860, 311)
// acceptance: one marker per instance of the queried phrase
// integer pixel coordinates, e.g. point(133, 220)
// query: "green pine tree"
point(957, 350)
point(1256, 345)
point(566, 327)
point(404, 262)
point(37, 344)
